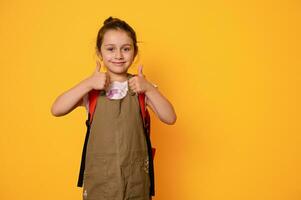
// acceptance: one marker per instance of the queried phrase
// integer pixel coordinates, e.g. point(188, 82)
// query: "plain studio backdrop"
point(230, 68)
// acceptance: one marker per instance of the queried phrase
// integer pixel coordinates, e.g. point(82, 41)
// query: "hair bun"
point(108, 20)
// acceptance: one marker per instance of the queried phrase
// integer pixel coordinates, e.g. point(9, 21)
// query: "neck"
point(118, 77)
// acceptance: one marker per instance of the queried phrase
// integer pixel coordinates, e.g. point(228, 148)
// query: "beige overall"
point(117, 158)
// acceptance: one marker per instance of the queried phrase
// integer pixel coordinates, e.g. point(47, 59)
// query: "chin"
point(119, 71)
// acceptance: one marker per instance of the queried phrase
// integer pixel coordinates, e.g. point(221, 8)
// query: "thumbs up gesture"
point(138, 83)
point(99, 80)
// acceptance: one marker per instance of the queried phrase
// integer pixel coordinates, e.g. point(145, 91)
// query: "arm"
point(160, 105)
point(72, 98)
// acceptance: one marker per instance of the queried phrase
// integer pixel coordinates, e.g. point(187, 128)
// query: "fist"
point(99, 80)
point(139, 84)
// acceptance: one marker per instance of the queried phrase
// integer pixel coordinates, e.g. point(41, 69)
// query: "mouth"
point(118, 63)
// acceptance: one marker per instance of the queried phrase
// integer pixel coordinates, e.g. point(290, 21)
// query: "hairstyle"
point(116, 24)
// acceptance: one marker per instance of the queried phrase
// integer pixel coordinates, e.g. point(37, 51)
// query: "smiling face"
point(117, 51)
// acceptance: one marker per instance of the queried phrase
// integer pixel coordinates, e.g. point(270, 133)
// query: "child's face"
point(117, 51)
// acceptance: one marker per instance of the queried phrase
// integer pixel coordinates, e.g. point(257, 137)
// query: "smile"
point(118, 63)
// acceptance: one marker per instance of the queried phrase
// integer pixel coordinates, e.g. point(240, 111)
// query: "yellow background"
point(230, 68)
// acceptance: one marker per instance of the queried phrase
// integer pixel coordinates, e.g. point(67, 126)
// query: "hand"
point(99, 80)
point(139, 84)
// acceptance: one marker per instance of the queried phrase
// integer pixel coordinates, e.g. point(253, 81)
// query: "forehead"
point(116, 37)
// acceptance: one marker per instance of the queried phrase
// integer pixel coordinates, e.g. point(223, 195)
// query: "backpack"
point(92, 96)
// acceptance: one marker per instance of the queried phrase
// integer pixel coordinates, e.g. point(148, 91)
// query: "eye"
point(110, 49)
point(127, 49)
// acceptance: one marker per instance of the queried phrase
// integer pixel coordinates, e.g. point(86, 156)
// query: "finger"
point(131, 85)
point(107, 80)
point(132, 80)
point(107, 76)
point(133, 89)
point(140, 69)
point(98, 66)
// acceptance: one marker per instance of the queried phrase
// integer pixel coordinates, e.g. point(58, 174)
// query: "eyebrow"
point(122, 45)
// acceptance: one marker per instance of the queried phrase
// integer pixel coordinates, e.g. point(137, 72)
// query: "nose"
point(118, 54)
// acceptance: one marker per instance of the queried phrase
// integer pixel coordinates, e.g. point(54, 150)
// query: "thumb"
point(98, 66)
point(140, 68)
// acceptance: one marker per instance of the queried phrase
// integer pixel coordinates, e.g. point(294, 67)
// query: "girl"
point(117, 154)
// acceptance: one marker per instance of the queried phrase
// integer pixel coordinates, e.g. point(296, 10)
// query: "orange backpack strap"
point(143, 109)
point(92, 96)
point(151, 151)
point(146, 117)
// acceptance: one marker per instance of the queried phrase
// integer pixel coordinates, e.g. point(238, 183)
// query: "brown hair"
point(116, 24)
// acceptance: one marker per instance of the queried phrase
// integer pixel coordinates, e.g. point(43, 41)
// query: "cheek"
point(130, 56)
point(106, 60)
point(107, 57)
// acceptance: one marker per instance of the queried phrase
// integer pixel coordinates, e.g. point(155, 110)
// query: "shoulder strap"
point(145, 118)
point(151, 151)
point(141, 98)
point(92, 96)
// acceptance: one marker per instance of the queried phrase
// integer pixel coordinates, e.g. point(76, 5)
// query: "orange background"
point(230, 68)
